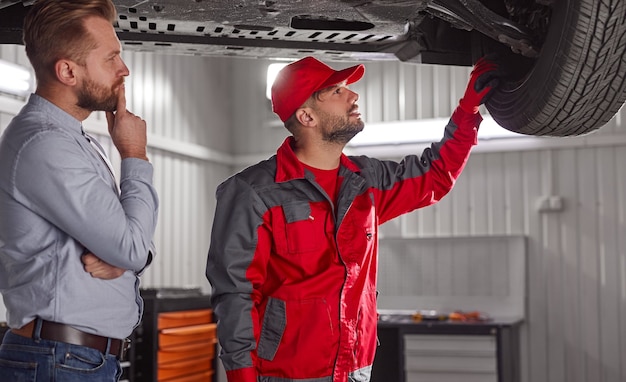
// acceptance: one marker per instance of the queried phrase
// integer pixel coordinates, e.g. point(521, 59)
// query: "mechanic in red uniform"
point(294, 245)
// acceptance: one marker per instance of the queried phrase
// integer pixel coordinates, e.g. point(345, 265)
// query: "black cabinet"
point(177, 326)
point(410, 351)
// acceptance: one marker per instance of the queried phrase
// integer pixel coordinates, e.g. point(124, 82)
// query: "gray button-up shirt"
point(56, 202)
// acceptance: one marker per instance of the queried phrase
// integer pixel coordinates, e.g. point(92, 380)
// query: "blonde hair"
point(54, 30)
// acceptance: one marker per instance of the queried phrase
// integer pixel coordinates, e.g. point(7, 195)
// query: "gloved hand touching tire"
point(483, 80)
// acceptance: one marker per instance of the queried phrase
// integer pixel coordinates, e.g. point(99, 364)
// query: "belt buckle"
point(124, 349)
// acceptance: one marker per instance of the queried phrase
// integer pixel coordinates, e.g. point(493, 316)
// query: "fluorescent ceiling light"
point(15, 79)
point(272, 72)
point(420, 131)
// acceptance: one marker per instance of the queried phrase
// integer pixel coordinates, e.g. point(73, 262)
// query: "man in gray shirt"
point(72, 244)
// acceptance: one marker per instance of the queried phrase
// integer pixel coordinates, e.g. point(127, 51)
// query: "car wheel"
point(577, 83)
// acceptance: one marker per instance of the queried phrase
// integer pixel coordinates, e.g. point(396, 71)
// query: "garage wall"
point(576, 297)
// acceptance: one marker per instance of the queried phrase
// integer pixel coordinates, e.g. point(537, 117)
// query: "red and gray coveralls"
point(294, 277)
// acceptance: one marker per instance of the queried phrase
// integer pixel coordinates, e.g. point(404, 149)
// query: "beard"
point(94, 97)
point(339, 129)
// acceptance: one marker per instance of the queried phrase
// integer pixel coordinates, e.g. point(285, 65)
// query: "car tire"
point(578, 82)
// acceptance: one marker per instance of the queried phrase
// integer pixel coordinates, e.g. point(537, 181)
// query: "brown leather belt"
point(53, 331)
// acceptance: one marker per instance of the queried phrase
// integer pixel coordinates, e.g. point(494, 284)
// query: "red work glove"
point(483, 80)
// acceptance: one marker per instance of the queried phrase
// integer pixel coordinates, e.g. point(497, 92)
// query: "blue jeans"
point(35, 360)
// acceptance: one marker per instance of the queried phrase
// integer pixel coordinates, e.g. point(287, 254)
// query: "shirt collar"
point(289, 167)
point(61, 118)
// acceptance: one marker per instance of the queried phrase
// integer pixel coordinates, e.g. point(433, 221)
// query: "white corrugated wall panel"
point(576, 273)
point(396, 92)
point(576, 270)
point(183, 99)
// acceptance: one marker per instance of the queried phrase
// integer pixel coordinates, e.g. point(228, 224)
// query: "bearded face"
point(93, 96)
point(339, 128)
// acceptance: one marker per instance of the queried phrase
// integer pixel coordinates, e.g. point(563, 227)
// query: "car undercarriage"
point(563, 61)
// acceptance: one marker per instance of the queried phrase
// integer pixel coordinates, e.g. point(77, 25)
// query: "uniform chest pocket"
point(303, 232)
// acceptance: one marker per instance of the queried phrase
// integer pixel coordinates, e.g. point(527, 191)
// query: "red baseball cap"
point(296, 82)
